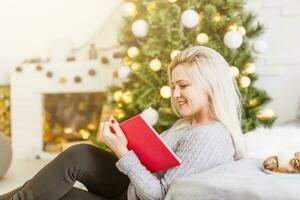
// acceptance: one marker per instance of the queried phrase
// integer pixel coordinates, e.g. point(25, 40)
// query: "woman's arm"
point(197, 150)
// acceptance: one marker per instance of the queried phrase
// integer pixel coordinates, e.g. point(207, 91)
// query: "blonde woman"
point(204, 95)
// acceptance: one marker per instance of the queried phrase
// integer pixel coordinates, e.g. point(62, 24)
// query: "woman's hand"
point(116, 141)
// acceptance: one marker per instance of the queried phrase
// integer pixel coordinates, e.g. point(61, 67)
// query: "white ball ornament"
point(140, 28)
point(150, 115)
point(189, 18)
point(124, 71)
point(233, 39)
point(259, 46)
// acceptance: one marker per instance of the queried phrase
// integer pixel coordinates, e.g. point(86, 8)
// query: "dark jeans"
point(92, 166)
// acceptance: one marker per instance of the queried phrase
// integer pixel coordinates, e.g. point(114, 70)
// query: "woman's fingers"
point(116, 126)
point(100, 132)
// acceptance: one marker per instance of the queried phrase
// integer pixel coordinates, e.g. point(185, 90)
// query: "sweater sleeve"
point(198, 151)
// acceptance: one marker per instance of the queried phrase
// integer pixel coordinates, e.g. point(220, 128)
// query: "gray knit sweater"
point(198, 147)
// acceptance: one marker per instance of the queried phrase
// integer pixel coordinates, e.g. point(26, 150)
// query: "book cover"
point(152, 151)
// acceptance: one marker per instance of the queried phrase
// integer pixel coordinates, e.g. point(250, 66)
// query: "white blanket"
point(243, 179)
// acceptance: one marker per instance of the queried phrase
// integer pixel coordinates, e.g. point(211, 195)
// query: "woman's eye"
point(183, 86)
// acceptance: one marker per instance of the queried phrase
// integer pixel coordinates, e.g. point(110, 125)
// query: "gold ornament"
point(174, 53)
point(245, 81)
point(218, 17)
point(165, 92)
point(133, 52)
point(250, 68)
point(135, 66)
point(118, 95)
point(155, 64)
point(253, 102)
point(127, 97)
point(202, 38)
point(242, 30)
point(234, 71)
point(119, 113)
point(127, 60)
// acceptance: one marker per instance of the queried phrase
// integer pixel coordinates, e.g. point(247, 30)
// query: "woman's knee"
point(78, 151)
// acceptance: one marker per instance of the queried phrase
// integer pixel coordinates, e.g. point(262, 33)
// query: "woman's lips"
point(181, 102)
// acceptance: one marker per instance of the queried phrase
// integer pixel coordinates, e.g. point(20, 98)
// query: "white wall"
point(279, 67)
point(30, 28)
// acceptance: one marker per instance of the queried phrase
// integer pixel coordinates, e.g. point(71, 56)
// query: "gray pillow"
point(5, 154)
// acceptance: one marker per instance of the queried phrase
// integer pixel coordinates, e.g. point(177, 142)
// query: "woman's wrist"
point(121, 153)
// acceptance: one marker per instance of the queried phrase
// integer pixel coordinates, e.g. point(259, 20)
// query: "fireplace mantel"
point(30, 82)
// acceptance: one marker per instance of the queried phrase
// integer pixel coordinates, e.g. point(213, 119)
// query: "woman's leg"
point(92, 166)
point(79, 194)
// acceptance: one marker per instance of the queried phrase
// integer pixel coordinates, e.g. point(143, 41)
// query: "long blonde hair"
point(210, 72)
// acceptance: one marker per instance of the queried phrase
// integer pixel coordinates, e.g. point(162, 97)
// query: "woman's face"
point(189, 101)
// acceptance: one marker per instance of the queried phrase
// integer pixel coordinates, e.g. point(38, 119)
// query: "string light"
point(242, 30)
point(174, 53)
point(127, 97)
point(172, 1)
point(129, 9)
point(245, 81)
point(155, 64)
point(233, 27)
point(165, 92)
point(118, 95)
point(84, 134)
point(135, 66)
point(202, 38)
point(133, 52)
point(218, 17)
point(250, 68)
point(234, 71)
point(152, 7)
point(265, 114)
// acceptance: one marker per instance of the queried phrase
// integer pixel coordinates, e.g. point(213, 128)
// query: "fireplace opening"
point(70, 117)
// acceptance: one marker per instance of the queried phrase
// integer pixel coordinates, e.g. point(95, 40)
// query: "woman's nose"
point(176, 92)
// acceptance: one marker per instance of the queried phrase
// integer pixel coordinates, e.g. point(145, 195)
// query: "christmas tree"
point(154, 31)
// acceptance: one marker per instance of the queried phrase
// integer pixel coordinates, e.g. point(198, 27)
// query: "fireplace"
point(39, 92)
point(70, 117)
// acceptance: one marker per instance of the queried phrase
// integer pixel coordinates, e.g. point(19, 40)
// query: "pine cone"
point(297, 155)
point(295, 163)
point(271, 163)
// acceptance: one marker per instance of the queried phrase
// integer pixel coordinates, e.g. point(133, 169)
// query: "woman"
point(204, 95)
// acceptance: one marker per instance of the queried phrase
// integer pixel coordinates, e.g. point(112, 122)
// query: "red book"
point(152, 151)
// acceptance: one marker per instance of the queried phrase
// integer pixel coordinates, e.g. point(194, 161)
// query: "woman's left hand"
point(116, 141)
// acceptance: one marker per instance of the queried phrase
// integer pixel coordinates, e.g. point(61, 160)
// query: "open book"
point(152, 151)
